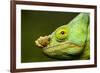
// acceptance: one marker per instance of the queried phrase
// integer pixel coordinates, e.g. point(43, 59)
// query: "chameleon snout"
point(42, 41)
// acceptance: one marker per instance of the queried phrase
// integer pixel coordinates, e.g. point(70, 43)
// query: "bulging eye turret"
point(61, 34)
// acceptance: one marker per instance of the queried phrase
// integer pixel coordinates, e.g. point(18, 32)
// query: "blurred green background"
point(39, 23)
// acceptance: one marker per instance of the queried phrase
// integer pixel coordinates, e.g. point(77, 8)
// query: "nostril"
point(48, 38)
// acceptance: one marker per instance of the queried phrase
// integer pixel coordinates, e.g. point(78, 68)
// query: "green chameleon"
point(70, 41)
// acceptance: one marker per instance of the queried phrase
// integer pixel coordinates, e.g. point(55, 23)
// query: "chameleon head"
point(57, 45)
point(67, 41)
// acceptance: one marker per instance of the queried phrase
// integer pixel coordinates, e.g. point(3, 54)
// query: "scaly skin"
point(70, 41)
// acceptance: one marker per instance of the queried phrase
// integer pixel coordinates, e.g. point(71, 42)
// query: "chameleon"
point(70, 41)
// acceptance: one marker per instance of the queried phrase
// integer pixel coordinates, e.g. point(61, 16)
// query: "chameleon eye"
point(61, 34)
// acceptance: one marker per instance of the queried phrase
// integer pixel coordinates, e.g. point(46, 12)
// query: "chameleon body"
point(69, 41)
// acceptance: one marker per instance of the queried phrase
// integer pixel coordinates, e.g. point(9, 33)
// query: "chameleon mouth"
point(67, 44)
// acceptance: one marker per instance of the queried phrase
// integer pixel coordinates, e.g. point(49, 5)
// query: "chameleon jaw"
point(64, 50)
